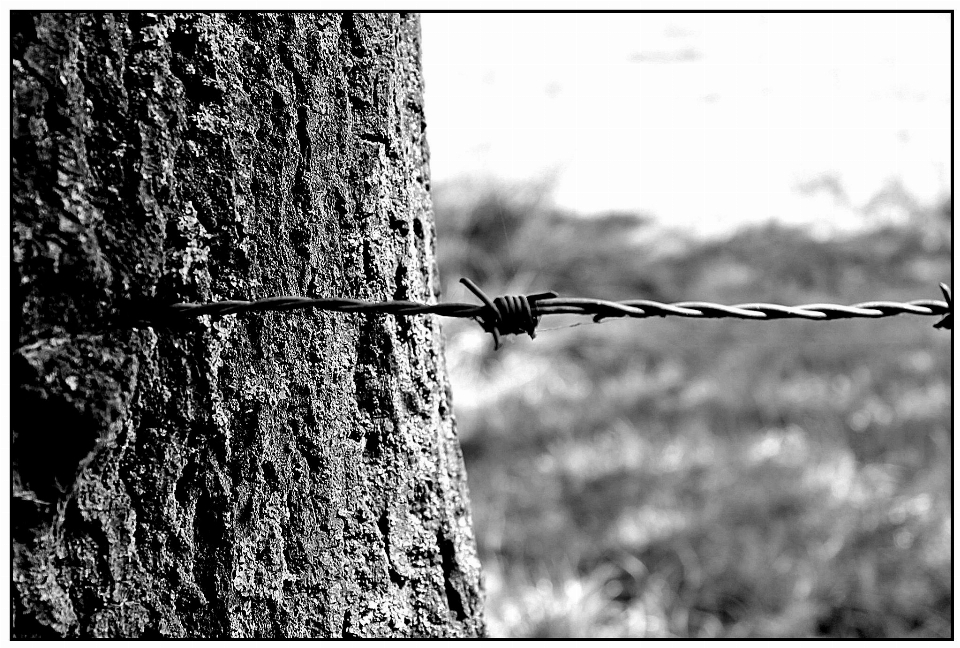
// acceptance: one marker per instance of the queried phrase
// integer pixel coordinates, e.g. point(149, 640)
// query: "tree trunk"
point(278, 474)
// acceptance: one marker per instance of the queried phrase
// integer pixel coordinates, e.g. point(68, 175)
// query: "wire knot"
point(946, 322)
point(509, 314)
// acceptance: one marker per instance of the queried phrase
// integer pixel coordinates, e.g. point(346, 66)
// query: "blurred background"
point(718, 478)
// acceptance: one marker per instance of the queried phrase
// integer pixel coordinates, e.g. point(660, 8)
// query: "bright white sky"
point(707, 121)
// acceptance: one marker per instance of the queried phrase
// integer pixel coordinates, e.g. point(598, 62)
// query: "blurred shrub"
point(514, 239)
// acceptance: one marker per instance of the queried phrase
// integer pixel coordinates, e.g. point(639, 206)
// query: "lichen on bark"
point(290, 474)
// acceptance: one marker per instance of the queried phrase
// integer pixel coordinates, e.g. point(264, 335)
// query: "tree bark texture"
point(278, 474)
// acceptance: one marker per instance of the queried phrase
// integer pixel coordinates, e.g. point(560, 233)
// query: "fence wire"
point(515, 314)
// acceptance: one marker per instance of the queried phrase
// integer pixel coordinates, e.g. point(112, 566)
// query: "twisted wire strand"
point(515, 314)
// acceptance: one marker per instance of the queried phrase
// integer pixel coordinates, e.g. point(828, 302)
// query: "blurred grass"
point(718, 478)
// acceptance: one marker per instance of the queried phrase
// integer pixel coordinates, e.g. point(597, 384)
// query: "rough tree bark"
point(290, 474)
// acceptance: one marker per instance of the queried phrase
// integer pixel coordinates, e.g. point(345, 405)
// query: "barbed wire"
point(515, 314)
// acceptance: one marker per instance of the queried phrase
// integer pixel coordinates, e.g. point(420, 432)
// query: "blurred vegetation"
point(718, 478)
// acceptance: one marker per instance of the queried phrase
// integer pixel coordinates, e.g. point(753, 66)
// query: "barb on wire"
point(515, 314)
point(946, 322)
